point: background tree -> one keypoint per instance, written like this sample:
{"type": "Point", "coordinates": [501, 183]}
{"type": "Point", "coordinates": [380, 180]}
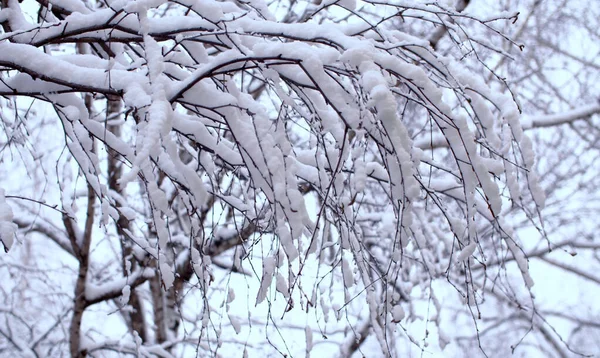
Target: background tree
{"type": "Point", "coordinates": [202, 178]}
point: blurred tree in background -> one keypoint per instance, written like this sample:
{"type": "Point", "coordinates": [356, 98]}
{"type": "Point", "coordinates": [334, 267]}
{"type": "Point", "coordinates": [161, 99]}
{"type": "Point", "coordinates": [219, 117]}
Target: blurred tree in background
{"type": "Point", "coordinates": [335, 178]}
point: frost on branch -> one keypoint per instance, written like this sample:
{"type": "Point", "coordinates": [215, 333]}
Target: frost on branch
{"type": "Point", "coordinates": [295, 142]}
{"type": "Point", "coordinates": [7, 227]}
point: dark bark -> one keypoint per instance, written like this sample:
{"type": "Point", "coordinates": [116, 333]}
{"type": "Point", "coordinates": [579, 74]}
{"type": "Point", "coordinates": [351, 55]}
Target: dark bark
{"type": "Point", "coordinates": [82, 250]}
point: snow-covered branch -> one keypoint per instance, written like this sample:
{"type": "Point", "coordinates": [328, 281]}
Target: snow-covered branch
{"type": "Point", "coordinates": [291, 146]}
{"type": "Point", "coordinates": [114, 288]}
{"type": "Point", "coordinates": [551, 120]}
